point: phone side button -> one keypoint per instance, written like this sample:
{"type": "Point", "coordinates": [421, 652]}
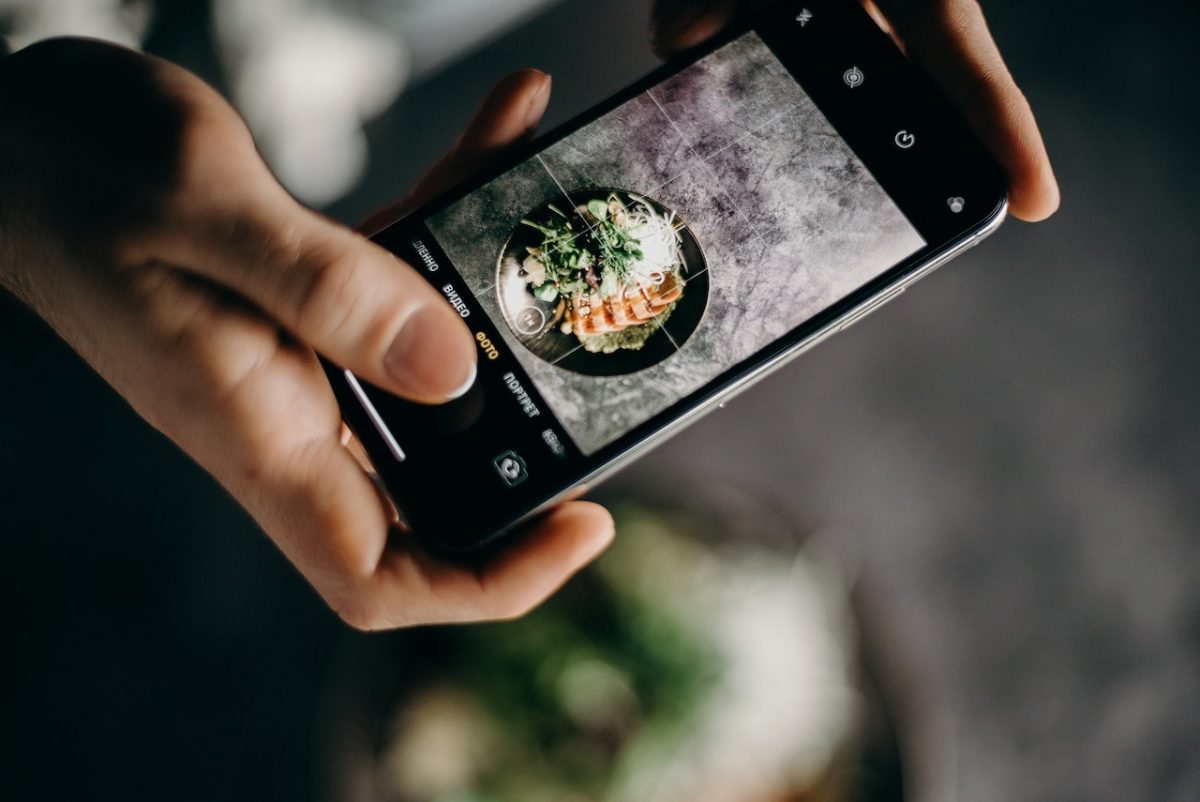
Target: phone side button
{"type": "Point", "coordinates": [376, 419]}
{"type": "Point", "coordinates": [871, 307]}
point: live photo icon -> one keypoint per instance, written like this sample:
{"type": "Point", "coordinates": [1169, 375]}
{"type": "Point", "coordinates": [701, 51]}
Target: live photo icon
{"type": "Point", "coordinates": [804, 17]}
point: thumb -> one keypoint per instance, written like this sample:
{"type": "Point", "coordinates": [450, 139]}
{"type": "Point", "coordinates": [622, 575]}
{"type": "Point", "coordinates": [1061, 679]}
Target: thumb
{"type": "Point", "coordinates": [349, 299]}
{"type": "Point", "coordinates": [508, 116]}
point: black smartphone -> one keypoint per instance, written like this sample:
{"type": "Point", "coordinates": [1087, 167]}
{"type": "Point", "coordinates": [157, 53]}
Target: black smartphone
{"type": "Point", "coordinates": [643, 263]}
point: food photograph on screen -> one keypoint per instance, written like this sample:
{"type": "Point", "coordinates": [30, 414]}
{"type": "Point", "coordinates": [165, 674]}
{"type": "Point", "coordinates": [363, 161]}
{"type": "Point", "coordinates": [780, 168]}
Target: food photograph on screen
{"type": "Point", "coordinates": [652, 250]}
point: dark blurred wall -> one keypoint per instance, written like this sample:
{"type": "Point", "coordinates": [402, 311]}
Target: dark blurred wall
{"type": "Point", "coordinates": [1015, 443]}
{"type": "Point", "coordinates": [1013, 447]}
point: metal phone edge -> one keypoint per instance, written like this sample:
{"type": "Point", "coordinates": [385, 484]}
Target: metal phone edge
{"type": "Point", "coordinates": [852, 315]}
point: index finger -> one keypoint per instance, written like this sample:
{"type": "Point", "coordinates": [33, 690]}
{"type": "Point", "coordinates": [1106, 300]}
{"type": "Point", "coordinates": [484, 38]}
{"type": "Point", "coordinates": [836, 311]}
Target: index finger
{"type": "Point", "coordinates": [951, 40]}
{"type": "Point", "coordinates": [678, 25]}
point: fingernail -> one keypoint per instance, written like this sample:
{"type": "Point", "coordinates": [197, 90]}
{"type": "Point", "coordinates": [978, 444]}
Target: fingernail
{"type": "Point", "coordinates": [672, 18]}
{"type": "Point", "coordinates": [432, 359]}
{"type": "Point", "coordinates": [538, 103]}
{"type": "Point", "coordinates": [467, 385]}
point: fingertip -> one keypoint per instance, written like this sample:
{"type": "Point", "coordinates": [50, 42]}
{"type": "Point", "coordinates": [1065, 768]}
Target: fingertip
{"type": "Point", "coordinates": [525, 80]}
{"type": "Point", "coordinates": [585, 527]}
{"type": "Point", "coordinates": [539, 101]}
{"type": "Point", "coordinates": [509, 110]}
{"type": "Point", "coordinates": [1033, 189]}
{"type": "Point", "coordinates": [467, 384]}
{"type": "Point", "coordinates": [524, 83]}
{"type": "Point", "coordinates": [679, 26]}
{"type": "Point", "coordinates": [594, 518]}
{"type": "Point", "coordinates": [1036, 199]}
{"type": "Point", "coordinates": [432, 357]}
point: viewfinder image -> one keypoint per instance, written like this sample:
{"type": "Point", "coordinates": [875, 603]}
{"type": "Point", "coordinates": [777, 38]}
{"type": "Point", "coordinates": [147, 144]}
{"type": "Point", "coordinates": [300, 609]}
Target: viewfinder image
{"type": "Point", "coordinates": [592, 289]}
{"type": "Point", "coordinates": [657, 247]}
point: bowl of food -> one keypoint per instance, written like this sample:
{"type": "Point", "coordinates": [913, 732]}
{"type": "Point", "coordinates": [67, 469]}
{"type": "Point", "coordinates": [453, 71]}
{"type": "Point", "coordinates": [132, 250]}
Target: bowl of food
{"type": "Point", "coordinates": [610, 283]}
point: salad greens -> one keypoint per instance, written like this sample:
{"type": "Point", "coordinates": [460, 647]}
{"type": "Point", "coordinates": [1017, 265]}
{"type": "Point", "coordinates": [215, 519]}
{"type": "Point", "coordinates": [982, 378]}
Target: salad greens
{"type": "Point", "coordinates": [600, 259]}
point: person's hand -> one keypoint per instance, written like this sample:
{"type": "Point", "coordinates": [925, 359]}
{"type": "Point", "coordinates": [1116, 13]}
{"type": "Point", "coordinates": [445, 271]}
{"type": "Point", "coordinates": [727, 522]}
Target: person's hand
{"type": "Point", "coordinates": [138, 220]}
{"type": "Point", "coordinates": [950, 39]}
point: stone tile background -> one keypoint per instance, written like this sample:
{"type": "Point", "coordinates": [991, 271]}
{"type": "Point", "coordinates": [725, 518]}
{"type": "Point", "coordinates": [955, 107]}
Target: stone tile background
{"type": "Point", "coordinates": [789, 219]}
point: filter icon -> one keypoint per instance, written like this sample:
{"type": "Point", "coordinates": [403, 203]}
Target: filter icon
{"type": "Point", "coordinates": [854, 77]}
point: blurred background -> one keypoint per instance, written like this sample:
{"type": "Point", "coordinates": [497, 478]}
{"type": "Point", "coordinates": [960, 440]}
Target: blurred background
{"type": "Point", "coordinates": [984, 495]}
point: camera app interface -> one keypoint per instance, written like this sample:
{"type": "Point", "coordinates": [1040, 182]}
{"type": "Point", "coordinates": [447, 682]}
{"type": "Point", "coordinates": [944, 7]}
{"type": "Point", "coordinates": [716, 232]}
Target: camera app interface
{"type": "Point", "coordinates": [634, 261]}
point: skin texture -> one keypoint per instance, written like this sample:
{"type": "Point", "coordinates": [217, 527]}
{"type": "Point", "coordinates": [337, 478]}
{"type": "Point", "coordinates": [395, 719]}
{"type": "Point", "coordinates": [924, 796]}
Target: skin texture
{"type": "Point", "coordinates": [138, 220]}
{"type": "Point", "coordinates": [951, 41]}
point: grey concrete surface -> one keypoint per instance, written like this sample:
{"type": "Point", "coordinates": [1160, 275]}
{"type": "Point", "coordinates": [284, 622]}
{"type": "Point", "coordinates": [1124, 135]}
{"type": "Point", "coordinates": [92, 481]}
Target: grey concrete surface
{"type": "Point", "coordinates": [1013, 449]}
{"type": "Point", "coordinates": [788, 219]}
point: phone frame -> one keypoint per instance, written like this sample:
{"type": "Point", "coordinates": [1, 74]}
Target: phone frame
{"type": "Point", "coordinates": [964, 233]}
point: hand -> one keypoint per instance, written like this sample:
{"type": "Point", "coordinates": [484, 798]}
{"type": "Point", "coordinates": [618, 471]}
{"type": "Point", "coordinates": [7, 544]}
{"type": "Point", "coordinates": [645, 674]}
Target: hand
{"type": "Point", "coordinates": [950, 39]}
{"type": "Point", "coordinates": [138, 220]}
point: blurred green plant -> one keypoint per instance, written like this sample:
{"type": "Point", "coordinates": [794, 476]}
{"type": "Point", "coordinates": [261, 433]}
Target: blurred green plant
{"type": "Point", "coordinates": [606, 674]}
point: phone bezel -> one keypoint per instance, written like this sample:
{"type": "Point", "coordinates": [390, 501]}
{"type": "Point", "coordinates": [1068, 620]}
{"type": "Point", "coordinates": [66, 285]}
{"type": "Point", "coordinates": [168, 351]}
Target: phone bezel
{"type": "Point", "coordinates": [967, 231]}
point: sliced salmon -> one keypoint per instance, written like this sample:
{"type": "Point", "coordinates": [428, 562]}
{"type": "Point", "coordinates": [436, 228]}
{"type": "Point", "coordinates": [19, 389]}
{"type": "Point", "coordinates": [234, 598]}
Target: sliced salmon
{"type": "Point", "coordinates": [592, 315]}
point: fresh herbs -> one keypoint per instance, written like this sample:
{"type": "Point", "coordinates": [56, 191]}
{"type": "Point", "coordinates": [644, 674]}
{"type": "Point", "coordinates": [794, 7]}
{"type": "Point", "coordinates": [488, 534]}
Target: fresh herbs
{"type": "Point", "coordinates": [599, 259]}
{"type": "Point", "coordinates": [609, 273]}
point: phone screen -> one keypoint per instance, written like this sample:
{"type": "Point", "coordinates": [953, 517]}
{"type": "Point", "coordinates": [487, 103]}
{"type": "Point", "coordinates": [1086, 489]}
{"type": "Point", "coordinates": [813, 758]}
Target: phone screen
{"type": "Point", "coordinates": [624, 270]}
{"type": "Point", "coordinates": [650, 251]}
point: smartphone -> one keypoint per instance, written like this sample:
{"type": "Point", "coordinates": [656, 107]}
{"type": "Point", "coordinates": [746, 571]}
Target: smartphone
{"type": "Point", "coordinates": [640, 265]}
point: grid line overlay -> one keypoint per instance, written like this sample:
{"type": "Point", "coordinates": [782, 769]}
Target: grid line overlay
{"type": "Point", "coordinates": [788, 217]}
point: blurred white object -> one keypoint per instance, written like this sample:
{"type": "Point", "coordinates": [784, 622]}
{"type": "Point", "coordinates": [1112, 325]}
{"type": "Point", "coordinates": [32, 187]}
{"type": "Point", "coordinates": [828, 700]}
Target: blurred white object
{"type": "Point", "coordinates": [438, 31]}
{"type": "Point", "coordinates": [786, 700]}
{"type": "Point", "coordinates": [120, 21]}
{"type": "Point", "coordinates": [306, 76]}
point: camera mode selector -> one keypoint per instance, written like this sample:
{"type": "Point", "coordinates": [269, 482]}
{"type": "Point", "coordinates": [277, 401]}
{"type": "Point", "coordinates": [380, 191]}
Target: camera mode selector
{"type": "Point", "coordinates": [511, 468]}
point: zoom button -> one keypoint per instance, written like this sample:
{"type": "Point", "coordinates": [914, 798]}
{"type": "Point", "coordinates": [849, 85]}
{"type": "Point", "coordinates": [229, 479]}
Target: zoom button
{"type": "Point", "coordinates": [511, 468]}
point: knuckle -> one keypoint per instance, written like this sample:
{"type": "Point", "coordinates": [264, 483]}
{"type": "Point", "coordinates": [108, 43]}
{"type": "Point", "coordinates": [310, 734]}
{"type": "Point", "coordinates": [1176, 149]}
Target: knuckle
{"type": "Point", "coordinates": [354, 615]}
{"type": "Point", "coordinates": [332, 294]}
{"type": "Point", "coordinates": [360, 614]}
{"type": "Point", "coordinates": [224, 375]}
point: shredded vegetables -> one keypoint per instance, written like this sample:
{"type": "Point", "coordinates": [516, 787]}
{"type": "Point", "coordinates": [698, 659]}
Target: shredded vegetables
{"type": "Point", "coordinates": [622, 273]}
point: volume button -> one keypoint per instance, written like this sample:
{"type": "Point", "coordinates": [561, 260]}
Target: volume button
{"type": "Point", "coordinates": [871, 307]}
